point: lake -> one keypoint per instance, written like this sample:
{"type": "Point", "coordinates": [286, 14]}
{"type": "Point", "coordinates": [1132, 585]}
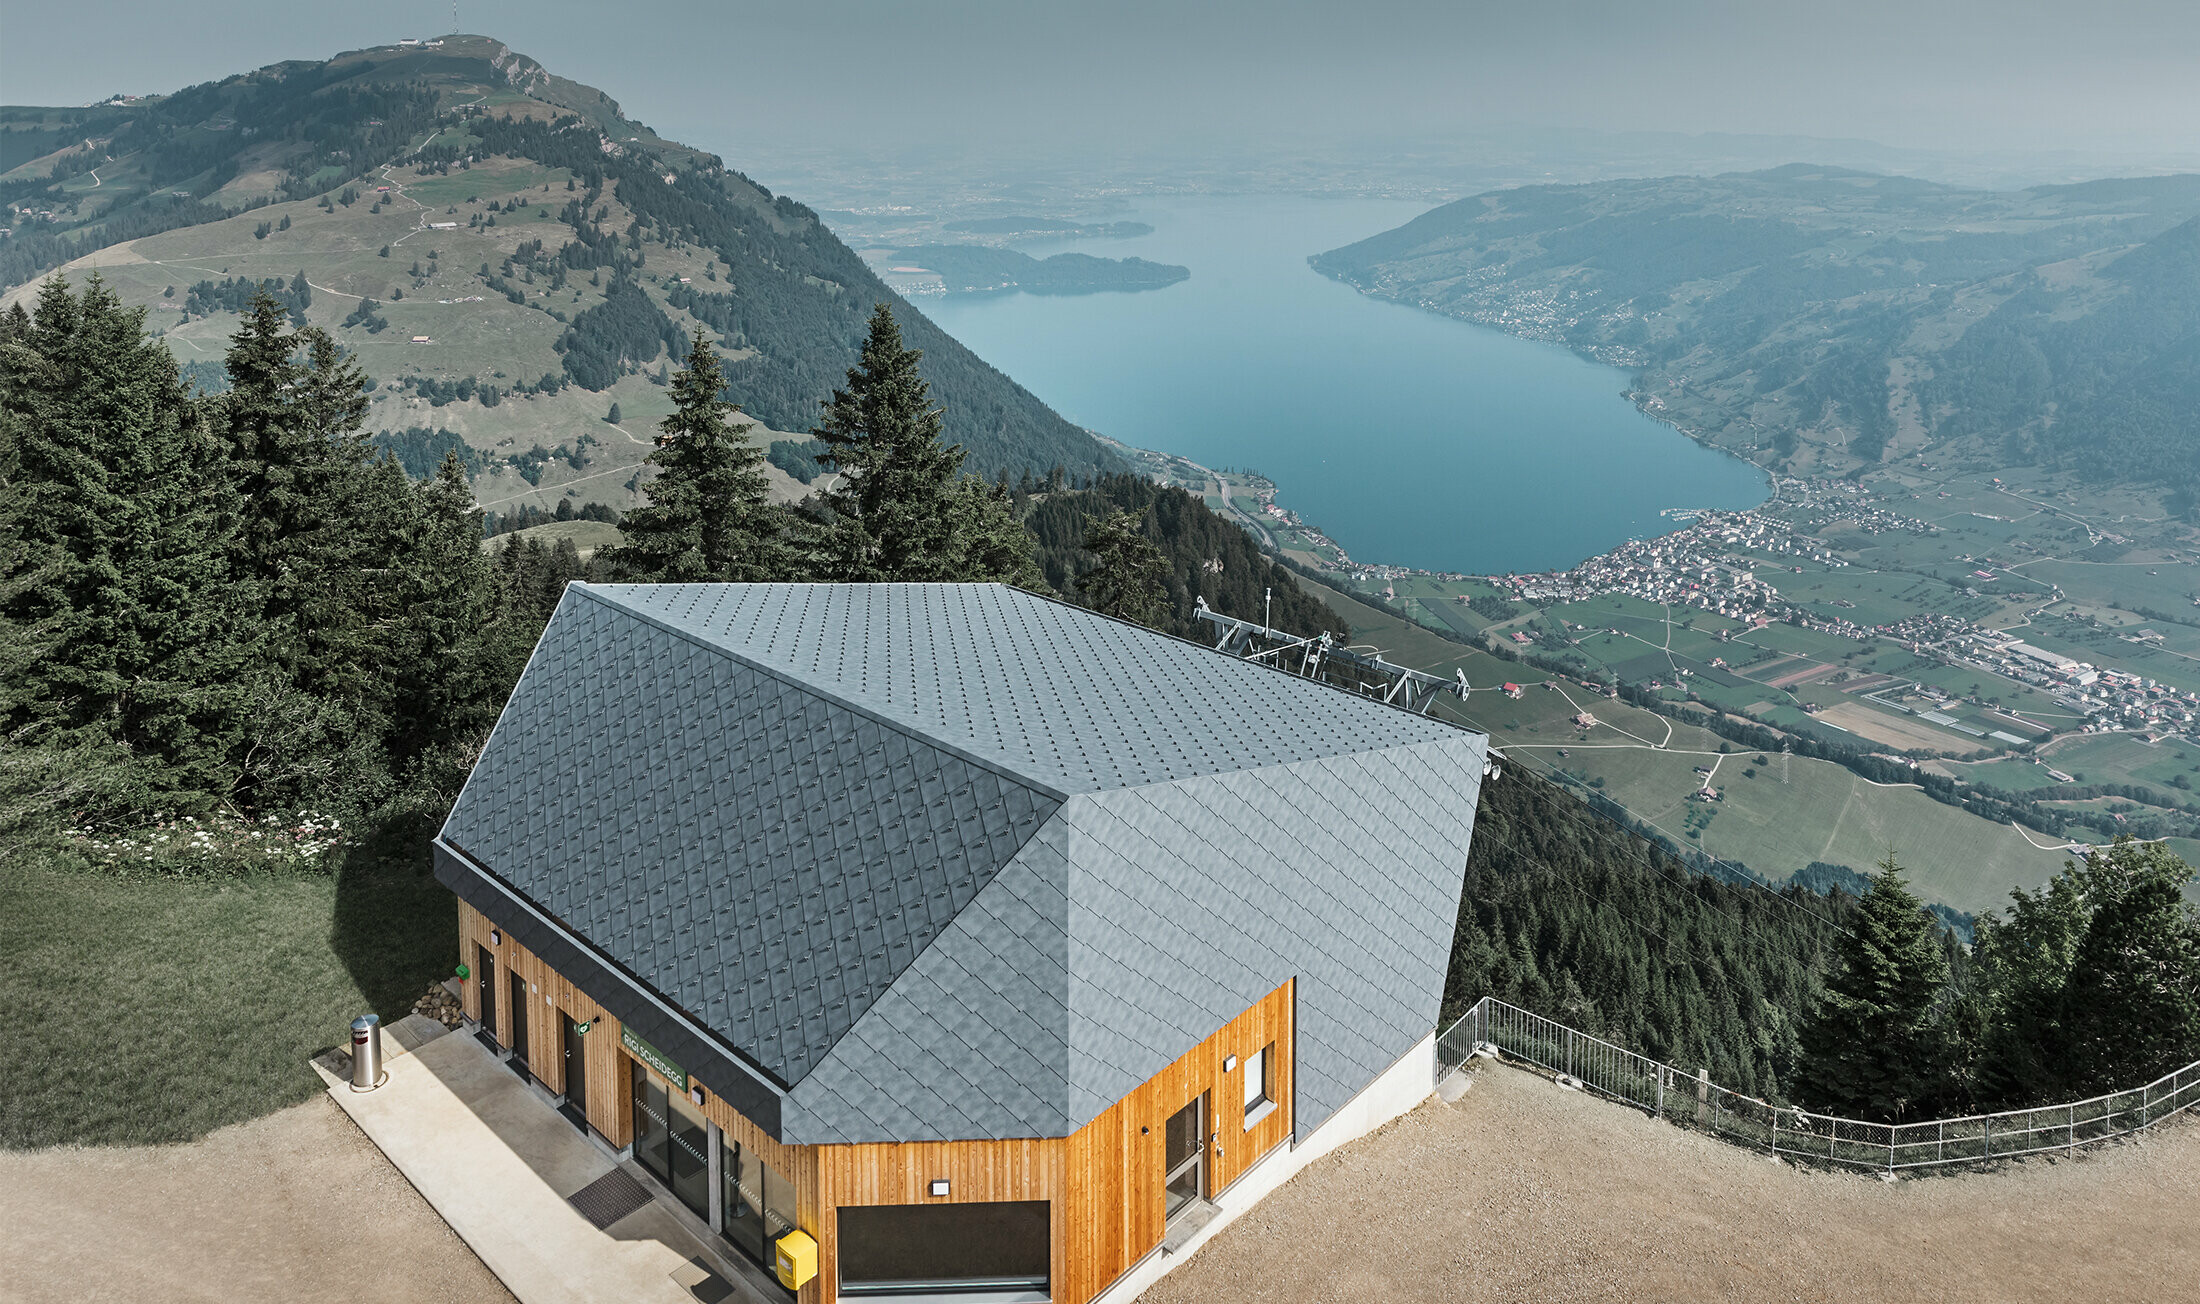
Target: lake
{"type": "Point", "coordinates": [1409, 438]}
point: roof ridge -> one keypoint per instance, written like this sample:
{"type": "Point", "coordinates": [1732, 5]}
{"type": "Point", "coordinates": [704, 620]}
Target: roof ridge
{"type": "Point", "coordinates": [996, 765]}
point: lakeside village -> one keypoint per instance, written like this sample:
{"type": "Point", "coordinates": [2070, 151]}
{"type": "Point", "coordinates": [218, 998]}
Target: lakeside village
{"type": "Point", "coordinates": [1717, 563]}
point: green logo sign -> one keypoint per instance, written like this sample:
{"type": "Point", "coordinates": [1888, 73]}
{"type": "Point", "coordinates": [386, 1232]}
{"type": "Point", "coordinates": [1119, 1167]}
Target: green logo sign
{"type": "Point", "coordinates": [653, 1057]}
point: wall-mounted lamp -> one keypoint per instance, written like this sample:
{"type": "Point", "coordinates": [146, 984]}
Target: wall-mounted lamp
{"type": "Point", "coordinates": [1229, 1064]}
{"type": "Point", "coordinates": [695, 1094]}
{"type": "Point", "coordinates": [496, 938]}
{"type": "Point", "coordinates": [939, 1186]}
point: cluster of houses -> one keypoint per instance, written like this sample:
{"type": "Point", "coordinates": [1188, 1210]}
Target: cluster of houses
{"type": "Point", "coordinates": [1691, 567]}
{"type": "Point", "coordinates": [1820, 501]}
{"type": "Point", "coordinates": [2109, 699]}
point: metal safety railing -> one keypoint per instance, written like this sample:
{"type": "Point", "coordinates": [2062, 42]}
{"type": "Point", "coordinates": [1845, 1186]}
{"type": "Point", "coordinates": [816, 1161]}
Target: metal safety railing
{"type": "Point", "coordinates": [1694, 1100]}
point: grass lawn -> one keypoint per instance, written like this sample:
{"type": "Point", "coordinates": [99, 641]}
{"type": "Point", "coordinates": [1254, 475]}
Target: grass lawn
{"type": "Point", "coordinates": [147, 1010]}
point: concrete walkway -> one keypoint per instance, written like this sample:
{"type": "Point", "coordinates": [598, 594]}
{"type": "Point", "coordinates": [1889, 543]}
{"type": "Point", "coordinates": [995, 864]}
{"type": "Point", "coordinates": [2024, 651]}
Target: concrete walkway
{"type": "Point", "coordinates": [496, 1161]}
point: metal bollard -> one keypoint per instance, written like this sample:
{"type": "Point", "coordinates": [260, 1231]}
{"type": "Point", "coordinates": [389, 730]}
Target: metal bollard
{"type": "Point", "coordinates": [366, 1052]}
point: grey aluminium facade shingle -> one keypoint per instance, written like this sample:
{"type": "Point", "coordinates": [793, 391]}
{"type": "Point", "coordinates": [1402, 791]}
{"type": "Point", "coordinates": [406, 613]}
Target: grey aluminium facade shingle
{"type": "Point", "coordinates": [1140, 920]}
{"type": "Point", "coordinates": [953, 862]}
{"type": "Point", "coordinates": [765, 860]}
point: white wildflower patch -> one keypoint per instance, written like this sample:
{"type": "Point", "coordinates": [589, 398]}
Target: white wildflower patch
{"type": "Point", "coordinates": [190, 844]}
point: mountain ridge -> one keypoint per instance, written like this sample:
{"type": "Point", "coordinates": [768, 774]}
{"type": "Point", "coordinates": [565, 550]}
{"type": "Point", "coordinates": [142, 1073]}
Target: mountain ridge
{"type": "Point", "coordinates": [508, 255]}
{"type": "Point", "coordinates": [1857, 318]}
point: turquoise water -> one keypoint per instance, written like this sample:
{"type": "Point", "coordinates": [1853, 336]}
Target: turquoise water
{"type": "Point", "coordinates": [1411, 439]}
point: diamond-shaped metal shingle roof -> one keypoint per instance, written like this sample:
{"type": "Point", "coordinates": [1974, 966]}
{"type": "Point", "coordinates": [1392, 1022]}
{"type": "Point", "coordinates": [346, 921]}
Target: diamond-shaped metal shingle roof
{"type": "Point", "coordinates": [1062, 696]}
{"type": "Point", "coordinates": [895, 858]}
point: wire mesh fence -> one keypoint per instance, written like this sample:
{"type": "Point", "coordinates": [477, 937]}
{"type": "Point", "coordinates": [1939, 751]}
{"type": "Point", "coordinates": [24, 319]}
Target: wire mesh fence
{"type": "Point", "coordinates": [1693, 1100]}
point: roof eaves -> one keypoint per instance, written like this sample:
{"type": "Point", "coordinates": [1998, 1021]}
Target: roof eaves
{"type": "Point", "coordinates": [742, 1059]}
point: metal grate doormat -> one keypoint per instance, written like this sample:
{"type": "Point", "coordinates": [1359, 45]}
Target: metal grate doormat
{"type": "Point", "coordinates": [609, 1198]}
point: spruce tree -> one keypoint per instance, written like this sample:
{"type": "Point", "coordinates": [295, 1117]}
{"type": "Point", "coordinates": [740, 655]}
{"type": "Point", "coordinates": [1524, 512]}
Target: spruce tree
{"type": "Point", "coordinates": [1131, 579]}
{"type": "Point", "coordinates": [321, 527]}
{"type": "Point", "coordinates": [899, 510]}
{"type": "Point", "coordinates": [293, 424]}
{"type": "Point", "coordinates": [444, 697]}
{"type": "Point", "coordinates": [708, 516]}
{"type": "Point", "coordinates": [115, 549]}
{"type": "Point", "coordinates": [2131, 1008]}
{"type": "Point", "coordinates": [1870, 1048]}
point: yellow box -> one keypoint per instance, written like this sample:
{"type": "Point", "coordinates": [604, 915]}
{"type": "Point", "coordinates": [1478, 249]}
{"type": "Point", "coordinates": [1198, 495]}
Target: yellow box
{"type": "Point", "coordinates": [797, 1259]}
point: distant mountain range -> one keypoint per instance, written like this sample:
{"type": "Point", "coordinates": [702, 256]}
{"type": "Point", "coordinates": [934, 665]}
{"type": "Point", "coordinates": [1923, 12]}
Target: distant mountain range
{"type": "Point", "coordinates": [510, 257]}
{"type": "Point", "coordinates": [1821, 319]}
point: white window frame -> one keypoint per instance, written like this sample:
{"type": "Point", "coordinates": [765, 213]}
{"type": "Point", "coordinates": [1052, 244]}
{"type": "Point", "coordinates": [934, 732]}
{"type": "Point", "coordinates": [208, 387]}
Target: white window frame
{"type": "Point", "coordinates": [1258, 1069]}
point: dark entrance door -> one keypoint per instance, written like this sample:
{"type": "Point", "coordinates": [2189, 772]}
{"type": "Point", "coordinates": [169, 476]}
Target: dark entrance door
{"type": "Point", "coordinates": [575, 1047]}
{"type": "Point", "coordinates": [485, 973]}
{"type": "Point", "coordinates": [1185, 1156]}
{"type": "Point", "coordinates": [520, 1020]}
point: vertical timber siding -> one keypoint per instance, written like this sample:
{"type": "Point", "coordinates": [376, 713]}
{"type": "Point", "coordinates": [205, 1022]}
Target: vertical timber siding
{"type": "Point", "coordinates": [1113, 1167]}
{"type": "Point", "coordinates": [1103, 1181]}
{"type": "Point", "coordinates": [610, 1088]}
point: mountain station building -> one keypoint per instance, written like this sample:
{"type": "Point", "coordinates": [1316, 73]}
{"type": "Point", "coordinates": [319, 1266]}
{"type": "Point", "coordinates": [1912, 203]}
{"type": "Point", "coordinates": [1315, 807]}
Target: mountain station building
{"type": "Point", "coordinates": [946, 942]}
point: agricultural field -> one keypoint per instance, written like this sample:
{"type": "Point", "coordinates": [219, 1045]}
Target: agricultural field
{"type": "Point", "coordinates": [2168, 770]}
{"type": "Point", "coordinates": [1775, 818]}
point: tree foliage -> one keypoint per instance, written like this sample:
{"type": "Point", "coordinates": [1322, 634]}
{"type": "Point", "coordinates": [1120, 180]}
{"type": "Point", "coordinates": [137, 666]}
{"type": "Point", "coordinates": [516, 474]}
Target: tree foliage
{"type": "Point", "coordinates": [1872, 1047]}
{"type": "Point", "coordinates": [2092, 982]}
{"type": "Point", "coordinates": [1129, 579]}
{"type": "Point", "coordinates": [1206, 556]}
{"type": "Point", "coordinates": [902, 510]}
{"type": "Point", "coordinates": [122, 564]}
{"type": "Point", "coordinates": [707, 518]}
{"type": "Point", "coordinates": [1567, 914]}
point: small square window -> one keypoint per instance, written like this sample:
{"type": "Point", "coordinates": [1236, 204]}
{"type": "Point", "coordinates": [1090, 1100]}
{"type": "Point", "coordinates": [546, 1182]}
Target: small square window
{"type": "Point", "coordinates": [1259, 1092]}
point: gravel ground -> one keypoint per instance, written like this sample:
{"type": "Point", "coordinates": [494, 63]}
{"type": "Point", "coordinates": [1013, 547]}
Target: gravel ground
{"type": "Point", "coordinates": [1523, 1191]}
{"type": "Point", "coordinates": [296, 1206]}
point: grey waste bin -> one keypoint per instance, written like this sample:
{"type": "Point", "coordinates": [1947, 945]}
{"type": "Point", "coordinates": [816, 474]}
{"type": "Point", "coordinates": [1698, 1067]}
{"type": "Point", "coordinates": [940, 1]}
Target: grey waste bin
{"type": "Point", "coordinates": [366, 1052]}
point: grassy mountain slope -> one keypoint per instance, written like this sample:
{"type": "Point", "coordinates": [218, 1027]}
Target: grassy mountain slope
{"type": "Point", "coordinates": [543, 248]}
{"type": "Point", "coordinates": [1827, 319]}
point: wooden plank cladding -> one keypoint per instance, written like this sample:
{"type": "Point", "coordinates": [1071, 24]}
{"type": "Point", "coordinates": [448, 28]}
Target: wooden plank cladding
{"type": "Point", "coordinates": [610, 1087]}
{"type": "Point", "coordinates": [1112, 1192]}
{"type": "Point", "coordinates": [1104, 1183]}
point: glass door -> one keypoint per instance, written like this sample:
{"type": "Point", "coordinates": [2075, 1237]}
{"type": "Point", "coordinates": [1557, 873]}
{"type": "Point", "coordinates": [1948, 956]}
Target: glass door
{"type": "Point", "coordinates": [672, 1140]}
{"type": "Point", "coordinates": [652, 1124]}
{"type": "Point", "coordinates": [1184, 1147]}
{"type": "Point", "coordinates": [690, 1176]}
{"type": "Point", "coordinates": [758, 1201]}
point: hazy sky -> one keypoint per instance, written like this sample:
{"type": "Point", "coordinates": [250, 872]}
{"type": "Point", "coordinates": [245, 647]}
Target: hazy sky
{"type": "Point", "coordinates": [2117, 75]}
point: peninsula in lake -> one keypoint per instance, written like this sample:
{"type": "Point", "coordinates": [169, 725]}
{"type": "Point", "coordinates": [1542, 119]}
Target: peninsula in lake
{"type": "Point", "coordinates": [1032, 229]}
{"type": "Point", "coordinates": [981, 269]}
